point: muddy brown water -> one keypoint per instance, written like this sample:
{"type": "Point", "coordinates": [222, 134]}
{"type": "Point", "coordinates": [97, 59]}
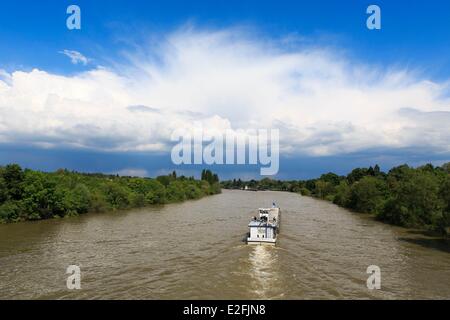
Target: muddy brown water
{"type": "Point", "coordinates": [194, 250]}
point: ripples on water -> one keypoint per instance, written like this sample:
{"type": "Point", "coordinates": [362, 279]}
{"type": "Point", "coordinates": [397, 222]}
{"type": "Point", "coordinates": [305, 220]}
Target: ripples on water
{"type": "Point", "coordinates": [194, 250]}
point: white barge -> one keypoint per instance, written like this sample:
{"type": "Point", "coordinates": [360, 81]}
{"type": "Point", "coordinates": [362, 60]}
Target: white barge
{"type": "Point", "coordinates": [264, 229]}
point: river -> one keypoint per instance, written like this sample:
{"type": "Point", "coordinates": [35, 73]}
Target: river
{"type": "Point", "coordinates": [194, 250]}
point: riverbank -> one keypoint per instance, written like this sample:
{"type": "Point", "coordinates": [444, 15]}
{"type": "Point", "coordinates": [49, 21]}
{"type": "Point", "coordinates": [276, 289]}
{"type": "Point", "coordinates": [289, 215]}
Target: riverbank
{"type": "Point", "coordinates": [417, 198]}
{"type": "Point", "coordinates": [35, 195]}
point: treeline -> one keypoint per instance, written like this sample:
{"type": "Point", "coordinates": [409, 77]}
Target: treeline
{"type": "Point", "coordinates": [212, 178]}
{"type": "Point", "coordinates": [34, 195]}
{"type": "Point", "coordinates": [405, 196]}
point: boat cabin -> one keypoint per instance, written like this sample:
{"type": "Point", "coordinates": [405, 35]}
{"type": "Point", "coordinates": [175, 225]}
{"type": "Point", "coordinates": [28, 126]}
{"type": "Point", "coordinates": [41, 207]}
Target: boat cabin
{"type": "Point", "coordinates": [265, 227]}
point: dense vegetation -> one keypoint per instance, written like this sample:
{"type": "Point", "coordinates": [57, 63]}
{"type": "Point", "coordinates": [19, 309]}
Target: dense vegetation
{"type": "Point", "coordinates": [33, 195]}
{"type": "Point", "coordinates": [405, 196]}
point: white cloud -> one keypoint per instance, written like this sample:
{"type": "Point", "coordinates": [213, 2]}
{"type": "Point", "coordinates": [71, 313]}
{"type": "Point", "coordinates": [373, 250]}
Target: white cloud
{"type": "Point", "coordinates": [75, 56]}
{"type": "Point", "coordinates": [132, 172]}
{"type": "Point", "coordinates": [322, 102]}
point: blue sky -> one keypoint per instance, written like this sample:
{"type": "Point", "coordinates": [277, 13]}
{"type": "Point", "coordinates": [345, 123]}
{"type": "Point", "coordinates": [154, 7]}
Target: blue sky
{"type": "Point", "coordinates": [414, 32]}
{"type": "Point", "coordinates": [408, 57]}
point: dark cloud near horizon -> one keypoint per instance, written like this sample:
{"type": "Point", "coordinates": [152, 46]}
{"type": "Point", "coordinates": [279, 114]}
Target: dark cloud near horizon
{"type": "Point", "coordinates": [298, 167]}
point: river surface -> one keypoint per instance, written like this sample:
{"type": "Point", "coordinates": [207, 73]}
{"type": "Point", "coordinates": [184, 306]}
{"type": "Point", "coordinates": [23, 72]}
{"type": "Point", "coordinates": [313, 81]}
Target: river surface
{"type": "Point", "coordinates": [194, 250]}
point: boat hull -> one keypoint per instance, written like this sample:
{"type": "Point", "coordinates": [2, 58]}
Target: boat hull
{"type": "Point", "coordinates": [261, 241]}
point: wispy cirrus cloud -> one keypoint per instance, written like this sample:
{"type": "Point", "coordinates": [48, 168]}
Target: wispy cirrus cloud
{"type": "Point", "coordinates": [75, 57]}
{"type": "Point", "coordinates": [323, 102]}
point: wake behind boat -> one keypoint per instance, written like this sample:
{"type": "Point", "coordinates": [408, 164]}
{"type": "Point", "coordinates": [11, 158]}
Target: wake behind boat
{"type": "Point", "coordinates": [264, 229]}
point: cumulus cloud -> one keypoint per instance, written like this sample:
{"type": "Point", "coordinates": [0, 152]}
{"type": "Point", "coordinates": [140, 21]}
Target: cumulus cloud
{"type": "Point", "coordinates": [322, 102]}
{"type": "Point", "coordinates": [141, 108]}
{"type": "Point", "coordinates": [75, 57]}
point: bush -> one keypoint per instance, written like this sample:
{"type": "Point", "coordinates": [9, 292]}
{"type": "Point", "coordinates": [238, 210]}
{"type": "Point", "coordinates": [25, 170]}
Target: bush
{"type": "Point", "coordinates": [192, 191]}
{"type": "Point", "coordinates": [98, 202]}
{"type": "Point", "coordinates": [9, 212]}
{"type": "Point", "coordinates": [156, 193]}
{"type": "Point", "coordinates": [137, 200]}
{"type": "Point", "coordinates": [80, 198]}
{"type": "Point", "coordinates": [117, 196]}
{"type": "Point", "coordinates": [215, 188]}
{"type": "Point", "coordinates": [175, 192]}
{"type": "Point", "coordinates": [305, 192]}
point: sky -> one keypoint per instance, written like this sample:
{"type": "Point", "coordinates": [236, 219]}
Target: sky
{"type": "Point", "coordinates": [107, 97]}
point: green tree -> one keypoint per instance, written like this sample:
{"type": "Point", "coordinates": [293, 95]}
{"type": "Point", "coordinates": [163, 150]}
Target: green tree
{"type": "Point", "coordinates": [175, 192]}
{"type": "Point", "coordinates": [215, 188]}
{"type": "Point", "coordinates": [443, 223]}
{"type": "Point", "coordinates": [343, 193]}
{"type": "Point", "coordinates": [376, 170]}
{"type": "Point", "coordinates": [3, 190]}
{"type": "Point", "coordinates": [446, 167]}
{"type": "Point", "coordinates": [165, 180]}
{"type": "Point", "coordinates": [356, 175]}
{"type": "Point", "coordinates": [9, 212]}
{"type": "Point", "coordinates": [305, 192]}
{"type": "Point", "coordinates": [156, 193]}
{"type": "Point", "coordinates": [192, 191]}
{"type": "Point", "coordinates": [98, 202]}
{"type": "Point", "coordinates": [323, 189]}
{"type": "Point", "coordinates": [367, 195]}
{"type": "Point", "coordinates": [331, 177]}
{"type": "Point", "coordinates": [207, 175]}
{"type": "Point", "coordinates": [80, 198]}
{"type": "Point", "coordinates": [414, 201]}
{"type": "Point", "coordinates": [13, 177]}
